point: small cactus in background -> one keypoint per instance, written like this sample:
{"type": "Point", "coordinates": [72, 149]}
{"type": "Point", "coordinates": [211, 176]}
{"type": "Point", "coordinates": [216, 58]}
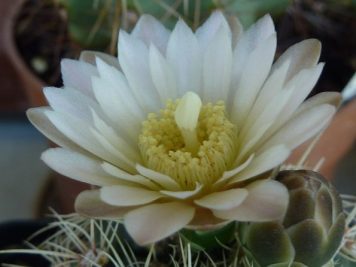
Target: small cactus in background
{"type": "Point", "coordinates": [311, 231]}
{"type": "Point", "coordinates": [93, 24]}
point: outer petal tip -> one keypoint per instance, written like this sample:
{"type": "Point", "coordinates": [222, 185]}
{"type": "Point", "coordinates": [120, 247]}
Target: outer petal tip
{"type": "Point", "coordinates": [88, 203]}
{"type": "Point", "coordinates": [154, 222]}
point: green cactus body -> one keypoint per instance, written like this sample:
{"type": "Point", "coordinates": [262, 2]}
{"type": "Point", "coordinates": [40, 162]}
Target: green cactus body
{"type": "Point", "coordinates": [311, 231]}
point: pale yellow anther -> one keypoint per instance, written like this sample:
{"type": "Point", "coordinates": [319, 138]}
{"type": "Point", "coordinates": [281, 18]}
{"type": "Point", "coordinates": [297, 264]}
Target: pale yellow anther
{"type": "Point", "coordinates": [186, 116]}
{"type": "Point", "coordinates": [168, 138]}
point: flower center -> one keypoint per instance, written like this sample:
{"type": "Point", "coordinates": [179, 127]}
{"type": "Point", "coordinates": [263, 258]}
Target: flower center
{"type": "Point", "coordinates": [190, 142]}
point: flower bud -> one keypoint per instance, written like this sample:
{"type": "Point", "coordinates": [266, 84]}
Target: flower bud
{"type": "Point", "coordinates": [311, 231]}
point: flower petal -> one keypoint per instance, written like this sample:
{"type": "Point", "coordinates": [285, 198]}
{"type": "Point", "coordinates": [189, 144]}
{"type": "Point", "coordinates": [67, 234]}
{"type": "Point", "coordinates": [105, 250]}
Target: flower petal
{"type": "Point", "coordinates": [91, 57]}
{"type": "Point", "coordinates": [267, 200]}
{"type": "Point", "coordinates": [120, 117]}
{"type": "Point", "coordinates": [122, 195]}
{"type": "Point", "coordinates": [224, 200]}
{"type": "Point", "coordinates": [183, 194]}
{"type": "Point", "coordinates": [154, 222]}
{"type": "Point", "coordinates": [236, 29]}
{"type": "Point", "coordinates": [302, 127]}
{"type": "Point", "coordinates": [266, 161]}
{"type": "Point", "coordinates": [331, 98]}
{"type": "Point", "coordinates": [133, 58]}
{"type": "Point", "coordinates": [184, 56]}
{"type": "Point", "coordinates": [162, 75]}
{"type": "Point", "coordinates": [208, 31]}
{"type": "Point", "coordinates": [119, 89]}
{"type": "Point", "coordinates": [88, 138]}
{"type": "Point", "coordinates": [77, 166]}
{"type": "Point", "coordinates": [301, 84]}
{"type": "Point", "coordinates": [77, 74]}
{"type": "Point", "coordinates": [228, 174]}
{"type": "Point", "coordinates": [88, 203]}
{"type": "Point", "coordinates": [304, 55]}
{"type": "Point", "coordinates": [124, 176]}
{"type": "Point", "coordinates": [272, 87]}
{"type": "Point", "coordinates": [217, 63]}
{"type": "Point", "coordinates": [256, 35]}
{"type": "Point", "coordinates": [130, 151]}
{"type": "Point", "coordinates": [150, 30]}
{"type": "Point", "coordinates": [253, 74]}
{"type": "Point", "coordinates": [39, 119]}
{"type": "Point", "coordinates": [70, 101]}
{"type": "Point", "coordinates": [164, 180]}
{"type": "Point", "coordinates": [255, 128]}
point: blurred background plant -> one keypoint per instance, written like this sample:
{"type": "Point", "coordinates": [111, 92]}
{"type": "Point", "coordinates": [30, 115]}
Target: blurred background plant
{"type": "Point", "coordinates": [75, 25]}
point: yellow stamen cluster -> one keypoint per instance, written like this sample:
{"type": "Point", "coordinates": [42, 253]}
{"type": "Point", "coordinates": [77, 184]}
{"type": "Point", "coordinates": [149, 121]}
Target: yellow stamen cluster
{"type": "Point", "coordinates": [164, 149]}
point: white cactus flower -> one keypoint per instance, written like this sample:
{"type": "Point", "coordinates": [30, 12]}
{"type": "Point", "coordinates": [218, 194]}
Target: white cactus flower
{"type": "Point", "coordinates": [184, 129]}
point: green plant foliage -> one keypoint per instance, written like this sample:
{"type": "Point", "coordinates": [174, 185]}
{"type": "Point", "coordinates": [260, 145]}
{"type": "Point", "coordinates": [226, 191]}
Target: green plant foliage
{"type": "Point", "coordinates": [207, 240]}
{"type": "Point", "coordinates": [249, 11]}
{"type": "Point", "coordinates": [90, 22]}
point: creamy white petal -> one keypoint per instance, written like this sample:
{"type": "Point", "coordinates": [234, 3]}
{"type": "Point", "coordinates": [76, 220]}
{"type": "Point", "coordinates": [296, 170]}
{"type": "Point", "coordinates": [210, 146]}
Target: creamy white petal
{"type": "Point", "coordinates": [150, 30]}
{"type": "Point", "coordinates": [331, 98]}
{"type": "Point", "coordinates": [88, 203]}
{"type": "Point", "coordinates": [91, 57]}
{"type": "Point", "coordinates": [236, 29]}
{"type": "Point", "coordinates": [224, 200]}
{"type": "Point", "coordinates": [208, 31]}
{"type": "Point", "coordinates": [253, 75]}
{"type": "Point", "coordinates": [154, 222]}
{"type": "Point", "coordinates": [267, 200]}
{"type": "Point", "coordinates": [83, 135]}
{"type": "Point", "coordinates": [118, 154]}
{"type": "Point", "coordinates": [217, 62]}
{"type": "Point", "coordinates": [272, 87]}
{"type": "Point", "coordinates": [131, 151]}
{"type": "Point", "coordinates": [254, 36]}
{"type": "Point", "coordinates": [302, 85]}
{"type": "Point", "coordinates": [133, 58]}
{"type": "Point", "coordinates": [228, 174]}
{"type": "Point", "coordinates": [120, 90]}
{"type": "Point", "coordinates": [256, 127]}
{"type": "Point", "coordinates": [39, 119]}
{"type": "Point", "coordinates": [77, 74]}
{"type": "Point", "coordinates": [120, 117]}
{"type": "Point", "coordinates": [267, 160]}
{"type": "Point", "coordinates": [124, 176]}
{"type": "Point", "coordinates": [183, 194]}
{"type": "Point", "coordinates": [164, 180]}
{"type": "Point", "coordinates": [162, 75]}
{"type": "Point", "coordinates": [121, 195]}
{"type": "Point", "coordinates": [71, 101]}
{"type": "Point", "coordinates": [302, 127]}
{"type": "Point", "coordinates": [184, 56]}
{"type": "Point", "coordinates": [77, 166]}
{"type": "Point", "coordinates": [303, 55]}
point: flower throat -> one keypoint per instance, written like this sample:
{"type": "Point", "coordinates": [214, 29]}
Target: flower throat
{"type": "Point", "coordinates": [188, 141]}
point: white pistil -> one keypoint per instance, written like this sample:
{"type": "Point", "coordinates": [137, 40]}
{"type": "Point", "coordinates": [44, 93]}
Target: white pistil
{"type": "Point", "coordinates": [186, 116]}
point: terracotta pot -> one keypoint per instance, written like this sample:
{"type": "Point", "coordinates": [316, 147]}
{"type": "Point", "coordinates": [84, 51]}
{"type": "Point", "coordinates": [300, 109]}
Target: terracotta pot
{"type": "Point", "coordinates": [25, 79]}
